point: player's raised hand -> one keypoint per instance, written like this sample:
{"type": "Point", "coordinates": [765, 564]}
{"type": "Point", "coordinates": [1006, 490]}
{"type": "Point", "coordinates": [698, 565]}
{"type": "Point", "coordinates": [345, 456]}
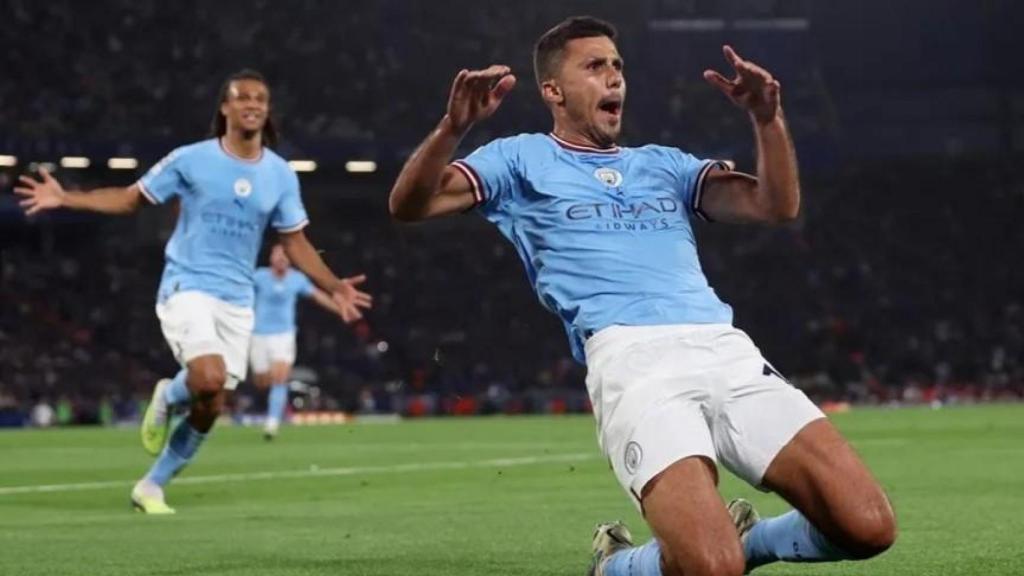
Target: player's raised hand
{"type": "Point", "coordinates": [476, 94]}
{"type": "Point", "coordinates": [752, 88]}
{"type": "Point", "coordinates": [350, 299]}
{"type": "Point", "coordinates": [39, 196]}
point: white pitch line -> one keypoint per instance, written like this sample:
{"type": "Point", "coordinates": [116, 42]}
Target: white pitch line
{"type": "Point", "coordinates": [310, 473]}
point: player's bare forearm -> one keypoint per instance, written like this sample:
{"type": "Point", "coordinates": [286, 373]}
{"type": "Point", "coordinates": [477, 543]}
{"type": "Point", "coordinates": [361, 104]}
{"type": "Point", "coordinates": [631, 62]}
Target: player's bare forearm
{"type": "Point", "coordinates": [778, 180]}
{"type": "Point", "coordinates": [305, 257]}
{"type": "Point", "coordinates": [420, 180]}
{"type": "Point", "coordinates": [324, 301]}
{"type": "Point", "coordinates": [105, 200]}
{"type": "Point", "coordinates": [46, 193]}
{"type": "Point", "coordinates": [427, 187]}
{"type": "Point", "coordinates": [774, 195]}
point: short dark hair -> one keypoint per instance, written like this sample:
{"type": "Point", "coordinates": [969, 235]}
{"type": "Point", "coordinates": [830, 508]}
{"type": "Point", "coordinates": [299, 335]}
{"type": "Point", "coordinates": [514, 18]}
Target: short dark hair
{"type": "Point", "coordinates": [547, 52]}
{"type": "Point", "coordinates": [219, 125]}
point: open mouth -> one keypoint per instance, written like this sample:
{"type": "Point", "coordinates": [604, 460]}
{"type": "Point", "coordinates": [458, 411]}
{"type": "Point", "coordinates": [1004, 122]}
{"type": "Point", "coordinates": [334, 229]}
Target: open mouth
{"type": "Point", "coordinates": [611, 106]}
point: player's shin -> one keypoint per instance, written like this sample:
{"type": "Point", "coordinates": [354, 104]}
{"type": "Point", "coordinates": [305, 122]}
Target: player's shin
{"type": "Point", "coordinates": [639, 561]}
{"type": "Point", "coordinates": [790, 538]}
{"type": "Point", "coordinates": [182, 446]}
{"type": "Point", "coordinates": [276, 404]}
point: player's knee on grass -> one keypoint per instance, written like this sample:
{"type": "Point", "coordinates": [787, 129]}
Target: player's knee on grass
{"type": "Point", "coordinates": [870, 529]}
{"type": "Point", "coordinates": [724, 560]}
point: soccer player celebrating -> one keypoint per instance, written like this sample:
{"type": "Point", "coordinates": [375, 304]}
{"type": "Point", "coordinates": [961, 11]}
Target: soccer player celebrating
{"type": "Point", "coordinates": [604, 232]}
{"type": "Point", "coordinates": [272, 351]}
{"type": "Point", "coordinates": [229, 188]}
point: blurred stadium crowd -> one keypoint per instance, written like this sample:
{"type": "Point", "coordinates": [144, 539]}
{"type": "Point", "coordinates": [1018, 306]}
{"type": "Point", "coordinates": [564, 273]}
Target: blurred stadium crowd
{"type": "Point", "coordinates": [901, 281]}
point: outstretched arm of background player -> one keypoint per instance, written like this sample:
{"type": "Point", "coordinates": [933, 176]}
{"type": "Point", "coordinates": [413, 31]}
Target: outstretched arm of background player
{"type": "Point", "coordinates": [343, 291]}
{"type": "Point", "coordinates": [323, 299]}
{"type": "Point", "coordinates": [774, 195]}
{"type": "Point", "coordinates": [49, 194]}
{"type": "Point", "coordinates": [428, 186]}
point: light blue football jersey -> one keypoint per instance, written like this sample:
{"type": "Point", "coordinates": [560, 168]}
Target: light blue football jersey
{"type": "Point", "coordinates": [226, 204]}
{"type": "Point", "coordinates": [276, 299]}
{"type": "Point", "coordinates": [605, 235]}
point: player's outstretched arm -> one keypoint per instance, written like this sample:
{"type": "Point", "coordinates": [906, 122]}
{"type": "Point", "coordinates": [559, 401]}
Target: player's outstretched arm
{"type": "Point", "coordinates": [774, 195]}
{"type": "Point", "coordinates": [427, 186]}
{"type": "Point", "coordinates": [323, 299]}
{"type": "Point", "coordinates": [48, 194]}
{"type": "Point", "coordinates": [344, 292]}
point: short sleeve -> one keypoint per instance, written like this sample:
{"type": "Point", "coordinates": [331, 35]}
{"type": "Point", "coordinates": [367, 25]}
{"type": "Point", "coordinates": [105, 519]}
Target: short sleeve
{"type": "Point", "coordinates": [692, 172]}
{"type": "Point", "coordinates": [304, 285]}
{"type": "Point", "coordinates": [165, 179]}
{"type": "Point", "coordinates": [491, 172]}
{"type": "Point", "coordinates": [289, 214]}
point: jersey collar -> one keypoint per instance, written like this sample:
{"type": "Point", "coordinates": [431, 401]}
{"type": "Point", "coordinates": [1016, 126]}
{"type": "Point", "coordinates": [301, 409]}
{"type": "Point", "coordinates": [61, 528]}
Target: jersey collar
{"type": "Point", "coordinates": [224, 148]}
{"type": "Point", "coordinates": [578, 148]}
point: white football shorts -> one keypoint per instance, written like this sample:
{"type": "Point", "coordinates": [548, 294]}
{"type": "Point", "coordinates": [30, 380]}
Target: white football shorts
{"type": "Point", "coordinates": [266, 349]}
{"type": "Point", "coordinates": [197, 324]}
{"type": "Point", "coordinates": [664, 393]}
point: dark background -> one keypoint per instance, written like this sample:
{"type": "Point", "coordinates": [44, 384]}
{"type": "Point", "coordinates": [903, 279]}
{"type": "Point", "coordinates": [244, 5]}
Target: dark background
{"type": "Point", "coordinates": [901, 280]}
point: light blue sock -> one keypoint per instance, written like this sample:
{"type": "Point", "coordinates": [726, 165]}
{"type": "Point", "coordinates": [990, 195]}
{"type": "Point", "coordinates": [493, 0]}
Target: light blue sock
{"type": "Point", "coordinates": [182, 446]}
{"type": "Point", "coordinates": [277, 402]}
{"type": "Point", "coordinates": [177, 392]}
{"type": "Point", "coordinates": [789, 538]}
{"type": "Point", "coordinates": [639, 561]}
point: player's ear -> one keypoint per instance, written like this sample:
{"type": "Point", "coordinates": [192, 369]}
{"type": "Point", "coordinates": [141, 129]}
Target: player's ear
{"type": "Point", "coordinates": [551, 92]}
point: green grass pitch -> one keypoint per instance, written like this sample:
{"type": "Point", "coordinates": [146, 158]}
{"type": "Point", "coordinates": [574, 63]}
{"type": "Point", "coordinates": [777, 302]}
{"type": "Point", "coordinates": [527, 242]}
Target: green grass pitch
{"type": "Point", "coordinates": [463, 496]}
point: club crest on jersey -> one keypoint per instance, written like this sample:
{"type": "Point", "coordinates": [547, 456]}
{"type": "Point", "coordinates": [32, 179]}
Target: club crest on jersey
{"type": "Point", "coordinates": [243, 188]}
{"type": "Point", "coordinates": [609, 176]}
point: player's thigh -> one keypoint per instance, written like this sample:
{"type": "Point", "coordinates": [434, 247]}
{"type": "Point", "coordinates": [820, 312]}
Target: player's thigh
{"type": "Point", "coordinates": [820, 474]}
{"type": "Point", "coordinates": [687, 515]}
{"type": "Point", "coordinates": [279, 371]}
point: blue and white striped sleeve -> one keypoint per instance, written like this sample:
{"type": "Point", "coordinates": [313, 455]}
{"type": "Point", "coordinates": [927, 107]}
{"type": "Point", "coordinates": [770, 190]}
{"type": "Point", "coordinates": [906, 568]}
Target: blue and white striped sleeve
{"type": "Point", "coordinates": [490, 171]}
{"type": "Point", "coordinates": [165, 179]}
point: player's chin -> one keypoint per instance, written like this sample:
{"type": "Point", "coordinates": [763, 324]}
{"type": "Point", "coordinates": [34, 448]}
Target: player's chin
{"type": "Point", "coordinates": [610, 130]}
{"type": "Point", "coordinates": [252, 124]}
{"type": "Point", "coordinates": [250, 131]}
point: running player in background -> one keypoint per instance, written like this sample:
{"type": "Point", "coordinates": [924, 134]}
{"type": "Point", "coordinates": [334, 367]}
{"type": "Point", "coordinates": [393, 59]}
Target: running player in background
{"type": "Point", "coordinates": [605, 235]}
{"type": "Point", "coordinates": [230, 188]}
{"type": "Point", "coordinates": [272, 352]}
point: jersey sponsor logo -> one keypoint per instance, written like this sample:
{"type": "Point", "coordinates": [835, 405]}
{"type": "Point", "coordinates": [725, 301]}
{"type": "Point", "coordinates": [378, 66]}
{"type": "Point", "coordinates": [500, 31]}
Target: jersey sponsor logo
{"type": "Point", "coordinates": [228, 225]}
{"type": "Point", "coordinates": [654, 214]}
{"type": "Point", "coordinates": [634, 457]}
{"type": "Point", "coordinates": [243, 188]}
{"type": "Point", "coordinates": [609, 176]}
{"type": "Point", "coordinates": [614, 211]}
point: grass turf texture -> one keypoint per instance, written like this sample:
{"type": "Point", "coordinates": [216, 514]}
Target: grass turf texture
{"type": "Point", "coordinates": [954, 475]}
